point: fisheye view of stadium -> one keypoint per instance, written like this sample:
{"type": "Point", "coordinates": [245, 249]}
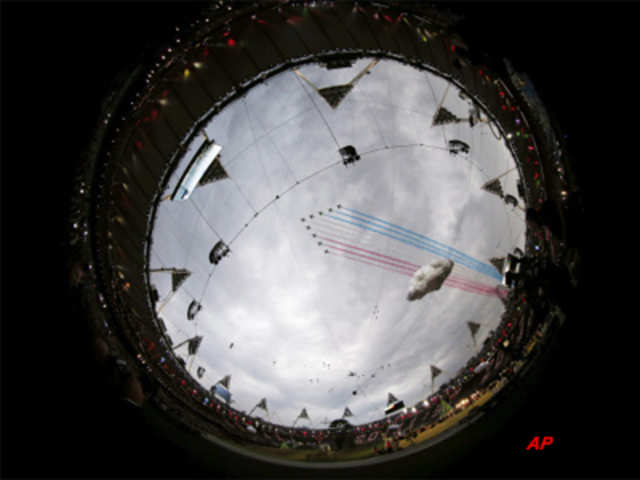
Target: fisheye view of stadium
{"type": "Point", "coordinates": [324, 236]}
{"type": "Point", "coordinates": [331, 248]}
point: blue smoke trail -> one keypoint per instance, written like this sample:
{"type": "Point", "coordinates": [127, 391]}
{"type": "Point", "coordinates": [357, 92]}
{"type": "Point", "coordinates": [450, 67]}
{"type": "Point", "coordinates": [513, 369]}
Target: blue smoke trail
{"type": "Point", "coordinates": [434, 247]}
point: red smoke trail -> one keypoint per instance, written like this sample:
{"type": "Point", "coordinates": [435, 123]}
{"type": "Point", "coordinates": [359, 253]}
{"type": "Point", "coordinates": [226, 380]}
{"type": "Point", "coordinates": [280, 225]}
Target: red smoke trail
{"type": "Point", "coordinates": [461, 286]}
{"type": "Point", "coordinates": [470, 283]}
{"type": "Point", "coordinates": [396, 260]}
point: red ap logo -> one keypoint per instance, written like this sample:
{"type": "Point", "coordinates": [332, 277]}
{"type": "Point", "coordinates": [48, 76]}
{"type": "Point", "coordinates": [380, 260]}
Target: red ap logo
{"type": "Point", "coordinates": [539, 445]}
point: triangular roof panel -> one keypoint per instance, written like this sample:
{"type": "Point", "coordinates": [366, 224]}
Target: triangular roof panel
{"type": "Point", "coordinates": [178, 277]}
{"type": "Point", "coordinates": [215, 172]}
{"type": "Point", "coordinates": [334, 95]}
{"type": "Point", "coordinates": [444, 116]}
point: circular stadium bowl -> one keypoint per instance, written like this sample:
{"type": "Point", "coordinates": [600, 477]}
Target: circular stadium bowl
{"type": "Point", "coordinates": [305, 226]}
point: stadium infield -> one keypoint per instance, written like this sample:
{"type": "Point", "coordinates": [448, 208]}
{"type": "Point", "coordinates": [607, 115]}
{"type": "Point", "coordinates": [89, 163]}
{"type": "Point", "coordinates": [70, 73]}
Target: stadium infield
{"type": "Point", "coordinates": [364, 452]}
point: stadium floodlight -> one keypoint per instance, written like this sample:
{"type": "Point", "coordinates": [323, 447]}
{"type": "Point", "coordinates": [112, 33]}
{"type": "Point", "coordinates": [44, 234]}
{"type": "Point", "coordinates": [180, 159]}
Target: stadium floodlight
{"type": "Point", "coordinates": [219, 391]}
{"type": "Point", "coordinates": [202, 160]}
{"type": "Point", "coordinates": [394, 407]}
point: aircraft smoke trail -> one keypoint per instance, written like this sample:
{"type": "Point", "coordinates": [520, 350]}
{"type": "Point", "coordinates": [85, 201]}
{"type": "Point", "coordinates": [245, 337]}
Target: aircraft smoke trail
{"type": "Point", "coordinates": [403, 264]}
{"type": "Point", "coordinates": [351, 238]}
{"type": "Point", "coordinates": [377, 220]}
{"type": "Point", "coordinates": [377, 265]}
{"type": "Point", "coordinates": [364, 250]}
{"type": "Point", "coordinates": [489, 268]}
{"type": "Point", "coordinates": [325, 222]}
{"type": "Point", "coordinates": [359, 236]}
{"type": "Point", "coordinates": [414, 239]}
{"type": "Point", "coordinates": [462, 286]}
{"type": "Point", "coordinates": [431, 249]}
{"type": "Point", "coordinates": [368, 257]}
{"type": "Point", "coordinates": [450, 282]}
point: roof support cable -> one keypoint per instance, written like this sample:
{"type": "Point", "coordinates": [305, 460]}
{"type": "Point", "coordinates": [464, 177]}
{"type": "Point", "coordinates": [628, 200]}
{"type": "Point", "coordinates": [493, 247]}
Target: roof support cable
{"type": "Point", "coordinates": [318, 110]}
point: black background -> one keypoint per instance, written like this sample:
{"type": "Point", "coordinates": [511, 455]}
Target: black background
{"type": "Point", "coordinates": [58, 60]}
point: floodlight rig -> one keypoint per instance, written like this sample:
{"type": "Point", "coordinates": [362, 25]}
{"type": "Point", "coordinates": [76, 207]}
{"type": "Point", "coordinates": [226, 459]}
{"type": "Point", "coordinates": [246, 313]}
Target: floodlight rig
{"type": "Point", "coordinates": [349, 155]}
{"type": "Point", "coordinates": [197, 168]}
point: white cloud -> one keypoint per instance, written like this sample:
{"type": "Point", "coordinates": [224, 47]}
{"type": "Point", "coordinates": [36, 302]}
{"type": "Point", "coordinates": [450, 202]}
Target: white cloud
{"type": "Point", "coordinates": [428, 278]}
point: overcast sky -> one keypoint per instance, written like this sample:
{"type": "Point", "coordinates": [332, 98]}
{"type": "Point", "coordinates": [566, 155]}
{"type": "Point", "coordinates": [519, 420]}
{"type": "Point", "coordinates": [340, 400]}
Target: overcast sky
{"type": "Point", "coordinates": [279, 297]}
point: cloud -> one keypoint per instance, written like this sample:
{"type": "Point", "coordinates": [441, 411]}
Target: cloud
{"type": "Point", "coordinates": [428, 279]}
